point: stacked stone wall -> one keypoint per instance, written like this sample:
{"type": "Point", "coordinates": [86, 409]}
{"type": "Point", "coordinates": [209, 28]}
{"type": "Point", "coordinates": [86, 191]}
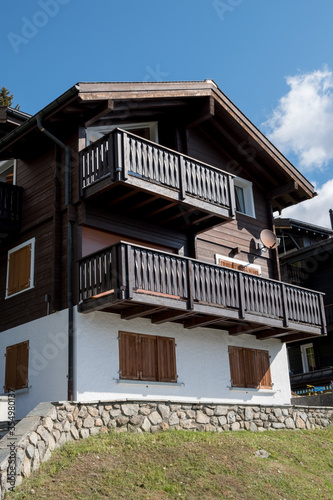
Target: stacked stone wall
{"type": "Point", "coordinates": [50, 425]}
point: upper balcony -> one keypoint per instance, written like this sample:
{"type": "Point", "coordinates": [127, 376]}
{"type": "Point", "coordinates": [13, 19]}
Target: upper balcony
{"type": "Point", "coordinates": [135, 281]}
{"type": "Point", "coordinates": [139, 178]}
{"type": "Point", "coordinates": [10, 209]}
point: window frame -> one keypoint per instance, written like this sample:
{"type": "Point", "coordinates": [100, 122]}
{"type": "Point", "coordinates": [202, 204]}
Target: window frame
{"type": "Point", "coordinates": [305, 359]}
{"type": "Point", "coordinates": [32, 267]}
{"type": "Point", "coordinates": [147, 365]}
{"type": "Point", "coordinates": [238, 264]}
{"type": "Point", "coordinates": [129, 127]}
{"type": "Point", "coordinates": [13, 353]}
{"type": "Point", "coordinates": [247, 188]}
{"type": "Point", "coordinates": [6, 165]}
{"type": "Point", "coordinates": [257, 366]}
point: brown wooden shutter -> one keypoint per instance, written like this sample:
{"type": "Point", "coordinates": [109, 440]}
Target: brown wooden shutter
{"type": "Point", "coordinates": [128, 356]}
{"type": "Point", "coordinates": [19, 266]}
{"type": "Point", "coordinates": [166, 352]}
{"type": "Point", "coordinates": [236, 362]}
{"type": "Point", "coordinates": [148, 357]}
{"type": "Point", "coordinates": [263, 369]}
{"type": "Point", "coordinates": [17, 362]}
{"type": "Point", "coordinates": [250, 371]}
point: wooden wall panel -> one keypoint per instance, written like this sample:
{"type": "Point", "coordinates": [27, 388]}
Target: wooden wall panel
{"type": "Point", "coordinates": [30, 304]}
{"type": "Point", "coordinates": [244, 232]}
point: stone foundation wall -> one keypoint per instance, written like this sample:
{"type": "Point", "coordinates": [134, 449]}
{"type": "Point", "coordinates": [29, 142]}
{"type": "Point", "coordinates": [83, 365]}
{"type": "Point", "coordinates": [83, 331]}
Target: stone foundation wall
{"type": "Point", "coordinates": [50, 425]}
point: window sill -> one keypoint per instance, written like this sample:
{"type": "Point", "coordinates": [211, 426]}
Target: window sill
{"type": "Point", "coordinates": [246, 215]}
{"type": "Point", "coordinates": [17, 392]}
{"type": "Point", "coordinates": [148, 382]}
{"type": "Point", "coordinates": [256, 391]}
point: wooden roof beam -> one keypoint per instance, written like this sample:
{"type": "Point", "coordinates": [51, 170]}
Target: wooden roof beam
{"type": "Point", "coordinates": [139, 311]}
{"type": "Point", "coordinates": [207, 112]}
{"type": "Point", "coordinates": [141, 204]}
{"type": "Point", "coordinates": [271, 334]}
{"type": "Point", "coordinates": [202, 321]}
{"type": "Point", "coordinates": [282, 190]}
{"type": "Point", "coordinates": [101, 111]}
{"type": "Point", "coordinates": [166, 316]}
{"type": "Point", "coordinates": [298, 336]}
{"type": "Point", "coordinates": [125, 196]}
{"type": "Point", "coordinates": [246, 328]}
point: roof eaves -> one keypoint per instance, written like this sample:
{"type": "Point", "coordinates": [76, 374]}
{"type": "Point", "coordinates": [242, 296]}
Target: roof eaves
{"type": "Point", "coordinates": [32, 121]}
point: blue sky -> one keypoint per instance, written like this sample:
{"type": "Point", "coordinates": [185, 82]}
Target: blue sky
{"type": "Point", "coordinates": [272, 58]}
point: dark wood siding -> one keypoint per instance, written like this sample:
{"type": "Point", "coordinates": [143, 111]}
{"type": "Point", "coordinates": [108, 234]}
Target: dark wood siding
{"type": "Point", "coordinates": [29, 304]}
{"type": "Point", "coordinates": [243, 232]}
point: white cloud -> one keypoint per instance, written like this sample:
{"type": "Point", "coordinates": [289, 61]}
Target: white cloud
{"type": "Point", "coordinates": [302, 123]}
{"type": "Point", "coordinates": [316, 210]}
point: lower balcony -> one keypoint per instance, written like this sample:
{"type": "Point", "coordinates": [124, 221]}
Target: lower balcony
{"type": "Point", "coordinates": [10, 209]}
{"type": "Point", "coordinates": [136, 281]}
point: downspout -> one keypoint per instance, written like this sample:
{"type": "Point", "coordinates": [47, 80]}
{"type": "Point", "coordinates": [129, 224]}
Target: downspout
{"type": "Point", "coordinates": [69, 261]}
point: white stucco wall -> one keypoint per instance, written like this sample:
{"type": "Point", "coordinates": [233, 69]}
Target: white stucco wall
{"type": "Point", "coordinates": [48, 360]}
{"type": "Point", "coordinates": [201, 354]}
{"type": "Point", "coordinates": [202, 363]}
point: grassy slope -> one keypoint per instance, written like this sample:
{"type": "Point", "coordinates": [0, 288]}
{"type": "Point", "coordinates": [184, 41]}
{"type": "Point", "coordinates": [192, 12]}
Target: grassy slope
{"type": "Point", "coordinates": [190, 465]}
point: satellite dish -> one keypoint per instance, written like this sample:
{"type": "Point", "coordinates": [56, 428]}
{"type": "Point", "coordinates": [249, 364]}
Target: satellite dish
{"type": "Point", "coordinates": [268, 238]}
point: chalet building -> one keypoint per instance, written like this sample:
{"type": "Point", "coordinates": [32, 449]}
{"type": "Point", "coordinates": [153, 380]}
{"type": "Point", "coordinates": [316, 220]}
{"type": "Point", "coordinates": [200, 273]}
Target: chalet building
{"type": "Point", "coordinates": [306, 260]}
{"type": "Point", "coordinates": [131, 262]}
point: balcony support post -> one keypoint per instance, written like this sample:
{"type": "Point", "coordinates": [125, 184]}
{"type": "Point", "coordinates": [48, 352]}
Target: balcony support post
{"type": "Point", "coordinates": [322, 314]}
{"type": "Point", "coordinates": [130, 271]}
{"type": "Point", "coordinates": [232, 197]}
{"type": "Point", "coordinates": [190, 285]}
{"type": "Point", "coordinates": [182, 178]}
{"type": "Point", "coordinates": [241, 296]}
{"type": "Point", "coordinates": [118, 156]}
{"type": "Point", "coordinates": [284, 306]}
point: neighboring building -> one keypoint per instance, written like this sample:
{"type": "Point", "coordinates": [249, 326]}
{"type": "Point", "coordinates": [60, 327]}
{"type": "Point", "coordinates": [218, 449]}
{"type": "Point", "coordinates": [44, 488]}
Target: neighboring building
{"type": "Point", "coordinates": [137, 271]}
{"type": "Point", "coordinates": [306, 260]}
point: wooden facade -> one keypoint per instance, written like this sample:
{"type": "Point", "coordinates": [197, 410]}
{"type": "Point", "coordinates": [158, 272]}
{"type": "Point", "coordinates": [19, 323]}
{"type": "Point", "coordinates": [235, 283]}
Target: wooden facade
{"type": "Point", "coordinates": [170, 202]}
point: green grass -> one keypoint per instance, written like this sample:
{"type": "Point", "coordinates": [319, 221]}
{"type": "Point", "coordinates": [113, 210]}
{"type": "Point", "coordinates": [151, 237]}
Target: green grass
{"type": "Point", "coordinates": [192, 465]}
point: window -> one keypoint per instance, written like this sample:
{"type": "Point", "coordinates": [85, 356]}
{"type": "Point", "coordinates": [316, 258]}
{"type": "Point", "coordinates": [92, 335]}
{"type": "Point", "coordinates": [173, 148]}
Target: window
{"type": "Point", "coordinates": [244, 196]}
{"type": "Point", "coordinates": [240, 265]}
{"type": "Point", "coordinates": [249, 368]}
{"type": "Point", "coordinates": [146, 130]}
{"type": "Point", "coordinates": [308, 358]}
{"type": "Point", "coordinates": [20, 268]}
{"type": "Point", "coordinates": [8, 171]}
{"type": "Point", "coordinates": [146, 357]}
{"type": "Point", "coordinates": [17, 360]}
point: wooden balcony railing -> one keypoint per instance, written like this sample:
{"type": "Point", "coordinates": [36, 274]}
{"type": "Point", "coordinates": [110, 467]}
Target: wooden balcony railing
{"type": "Point", "coordinates": [10, 208]}
{"type": "Point", "coordinates": [122, 156]}
{"type": "Point", "coordinates": [130, 272]}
